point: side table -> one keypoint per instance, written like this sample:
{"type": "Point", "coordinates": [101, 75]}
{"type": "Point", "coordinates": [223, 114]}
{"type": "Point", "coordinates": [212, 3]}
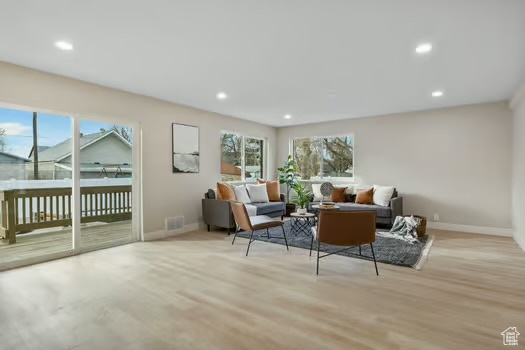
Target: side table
{"type": "Point", "coordinates": [302, 223]}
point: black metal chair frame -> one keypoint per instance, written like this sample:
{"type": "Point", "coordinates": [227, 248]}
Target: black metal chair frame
{"type": "Point", "coordinates": [342, 250]}
{"type": "Point", "coordinates": [253, 238]}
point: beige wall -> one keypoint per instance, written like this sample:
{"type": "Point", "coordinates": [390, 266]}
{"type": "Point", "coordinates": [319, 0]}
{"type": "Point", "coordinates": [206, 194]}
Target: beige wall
{"type": "Point", "coordinates": [518, 173]}
{"type": "Point", "coordinates": [455, 161]}
{"type": "Point", "coordinates": [164, 194]}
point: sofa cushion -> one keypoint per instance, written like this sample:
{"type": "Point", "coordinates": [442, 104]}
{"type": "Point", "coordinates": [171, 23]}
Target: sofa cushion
{"type": "Point", "coordinates": [241, 194]}
{"type": "Point", "coordinates": [273, 189]}
{"type": "Point", "coordinates": [338, 195]}
{"type": "Point", "coordinates": [383, 194]}
{"type": "Point", "coordinates": [225, 191]}
{"type": "Point", "coordinates": [265, 208]}
{"type": "Point", "coordinates": [258, 193]}
{"type": "Point", "coordinates": [381, 211]}
{"type": "Point", "coordinates": [365, 196]}
{"type": "Point", "coordinates": [350, 197]}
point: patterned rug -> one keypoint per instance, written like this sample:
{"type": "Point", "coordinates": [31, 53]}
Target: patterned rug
{"type": "Point", "coordinates": [387, 250]}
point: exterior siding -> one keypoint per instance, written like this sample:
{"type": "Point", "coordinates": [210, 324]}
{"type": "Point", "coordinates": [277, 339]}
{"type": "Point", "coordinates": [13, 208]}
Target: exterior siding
{"type": "Point", "coordinates": [12, 168]}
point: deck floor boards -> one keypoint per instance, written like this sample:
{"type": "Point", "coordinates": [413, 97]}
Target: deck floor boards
{"type": "Point", "coordinates": [36, 244]}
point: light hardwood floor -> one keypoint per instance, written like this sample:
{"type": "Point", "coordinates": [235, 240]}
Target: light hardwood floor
{"type": "Point", "coordinates": [197, 291]}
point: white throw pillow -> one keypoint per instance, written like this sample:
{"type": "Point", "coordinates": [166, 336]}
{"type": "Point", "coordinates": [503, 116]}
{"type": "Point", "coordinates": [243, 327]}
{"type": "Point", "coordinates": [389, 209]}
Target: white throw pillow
{"type": "Point", "coordinates": [383, 194]}
{"type": "Point", "coordinates": [258, 193]}
{"type": "Point", "coordinates": [316, 189]}
{"type": "Point", "coordinates": [241, 194]}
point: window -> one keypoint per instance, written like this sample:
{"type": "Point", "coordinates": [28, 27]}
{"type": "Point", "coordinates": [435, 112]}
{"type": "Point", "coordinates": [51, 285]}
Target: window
{"type": "Point", "coordinates": [242, 157]}
{"type": "Point", "coordinates": [324, 157]}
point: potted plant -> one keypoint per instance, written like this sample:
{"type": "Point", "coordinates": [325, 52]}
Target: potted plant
{"type": "Point", "coordinates": [302, 198]}
{"type": "Point", "coordinates": [288, 177]}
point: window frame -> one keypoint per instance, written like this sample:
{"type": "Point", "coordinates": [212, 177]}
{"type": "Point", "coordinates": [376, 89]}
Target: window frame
{"type": "Point", "coordinates": [243, 137]}
{"type": "Point", "coordinates": [326, 178]}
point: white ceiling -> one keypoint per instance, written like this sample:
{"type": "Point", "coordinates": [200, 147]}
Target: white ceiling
{"type": "Point", "coordinates": [317, 60]}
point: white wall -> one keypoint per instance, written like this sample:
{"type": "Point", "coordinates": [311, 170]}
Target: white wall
{"type": "Point", "coordinates": [518, 173]}
{"type": "Point", "coordinates": [164, 194]}
{"type": "Point", "coordinates": [452, 161]}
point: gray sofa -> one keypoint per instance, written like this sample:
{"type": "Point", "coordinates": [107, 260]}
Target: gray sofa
{"type": "Point", "coordinates": [384, 215]}
{"type": "Point", "coordinates": [216, 212]}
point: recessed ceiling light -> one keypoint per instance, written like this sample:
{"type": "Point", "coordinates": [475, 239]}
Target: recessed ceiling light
{"type": "Point", "coordinates": [437, 93]}
{"type": "Point", "coordinates": [222, 96]}
{"type": "Point", "coordinates": [424, 48]}
{"type": "Point", "coordinates": [64, 45]}
{"type": "Point", "coordinates": [287, 116]}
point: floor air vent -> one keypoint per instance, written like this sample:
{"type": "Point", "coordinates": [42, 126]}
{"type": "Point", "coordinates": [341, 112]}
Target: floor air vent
{"type": "Point", "coordinates": [174, 223]}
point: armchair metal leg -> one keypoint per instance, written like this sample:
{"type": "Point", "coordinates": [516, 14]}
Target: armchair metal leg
{"type": "Point", "coordinates": [311, 245]}
{"type": "Point", "coordinates": [317, 257]}
{"type": "Point", "coordinates": [250, 242]}
{"type": "Point", "coordinates": [267, 233]}
{"type": "Point", "coordinates": [360, 250]}
{"type": "Point", "coordinates": [374, 256]}
{"type": "Point", "coordinates": [285, 240]}
{"type": "Point", "coordinates": [235, 236]}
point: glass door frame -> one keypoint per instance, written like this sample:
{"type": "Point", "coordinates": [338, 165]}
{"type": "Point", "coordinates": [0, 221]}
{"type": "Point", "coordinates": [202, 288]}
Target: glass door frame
{"type": "Point", "coordinates": [136, 183]}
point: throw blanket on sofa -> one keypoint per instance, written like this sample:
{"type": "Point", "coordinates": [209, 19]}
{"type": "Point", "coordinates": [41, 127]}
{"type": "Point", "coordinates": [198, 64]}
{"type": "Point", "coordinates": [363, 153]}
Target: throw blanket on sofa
{"type": "Point", "coordinates": [404, 228]}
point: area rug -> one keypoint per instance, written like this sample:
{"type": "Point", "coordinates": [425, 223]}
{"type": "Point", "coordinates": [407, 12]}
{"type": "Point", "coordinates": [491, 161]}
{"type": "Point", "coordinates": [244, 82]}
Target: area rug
{"type": "Point", "coordinates": [387, 250]}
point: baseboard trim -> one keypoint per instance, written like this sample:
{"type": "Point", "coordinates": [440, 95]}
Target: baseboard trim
{"type": "Point", "coordinates": [495, 231]}
{"type": "Point", "coordinates": [160, 234]}
{"type": "Point", "coordinates": [520, 240]}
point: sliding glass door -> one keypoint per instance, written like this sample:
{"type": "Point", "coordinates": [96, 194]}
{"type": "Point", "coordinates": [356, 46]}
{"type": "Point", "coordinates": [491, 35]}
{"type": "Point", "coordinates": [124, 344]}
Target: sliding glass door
{"type": "Point", "coordinates": [35, 185]}
{"type": "Point", "coordinates": [106, 174]}
{"type": "Point", "coordinates": [66, 186]}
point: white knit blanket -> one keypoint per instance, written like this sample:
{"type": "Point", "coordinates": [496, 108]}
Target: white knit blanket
{"type": "Point", "coordinates": [404, 228]}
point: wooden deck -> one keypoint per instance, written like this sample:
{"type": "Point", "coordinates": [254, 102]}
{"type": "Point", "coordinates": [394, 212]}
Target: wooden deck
{"type": "Point", "coordinates": [59, 240]}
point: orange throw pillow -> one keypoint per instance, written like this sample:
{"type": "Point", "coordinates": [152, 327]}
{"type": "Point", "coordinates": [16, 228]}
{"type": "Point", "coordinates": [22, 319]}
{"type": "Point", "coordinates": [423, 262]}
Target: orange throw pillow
{"type": "Point", "coordinates": [273, 189]}
{"type": "Point", "coordinates": [365, 197]}
{"type": "Point", "coordinates": [225, 191]}
{"type": "Point", "coordinates": [338, 195]}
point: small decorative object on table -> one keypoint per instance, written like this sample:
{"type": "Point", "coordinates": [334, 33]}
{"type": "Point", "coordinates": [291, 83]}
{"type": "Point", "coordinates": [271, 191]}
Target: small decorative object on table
{"type": "Point", "coordinates": [327, 205]}
{"type": "Point", "coordinates": [326, 190]}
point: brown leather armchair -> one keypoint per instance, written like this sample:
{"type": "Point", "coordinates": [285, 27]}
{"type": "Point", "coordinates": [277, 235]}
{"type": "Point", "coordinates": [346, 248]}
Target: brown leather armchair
{"type": "Point", "coordinates": [347, 229]}
{"type": "Point", "coordinates": [254, 223]}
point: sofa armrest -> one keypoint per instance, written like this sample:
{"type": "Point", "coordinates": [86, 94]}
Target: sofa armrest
{"type": "Point", "coordinates": [217, 213]}
{"type": "Point", "coordinates": [397, 207]}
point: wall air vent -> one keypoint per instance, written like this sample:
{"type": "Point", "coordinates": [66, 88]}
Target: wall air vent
{"type": "Point", "coordinates": [174, 223]}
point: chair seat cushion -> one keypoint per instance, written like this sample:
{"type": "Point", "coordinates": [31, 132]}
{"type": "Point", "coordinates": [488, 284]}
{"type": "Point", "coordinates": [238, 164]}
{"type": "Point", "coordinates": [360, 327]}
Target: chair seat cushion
{"type": "Point", "coordinates": [271, 207]}
{"type": "Point", "coordinates": [251, 209]}
{"type": "Point", "coordinates": [263, 221]}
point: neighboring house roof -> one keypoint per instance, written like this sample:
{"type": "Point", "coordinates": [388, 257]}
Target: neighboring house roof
{"type": "Point", "coordinates": [63, 149]}
{"type": "Point", "coordinates": [14, 156]}
{"type": "Point", "coordinates": [40, 149]}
